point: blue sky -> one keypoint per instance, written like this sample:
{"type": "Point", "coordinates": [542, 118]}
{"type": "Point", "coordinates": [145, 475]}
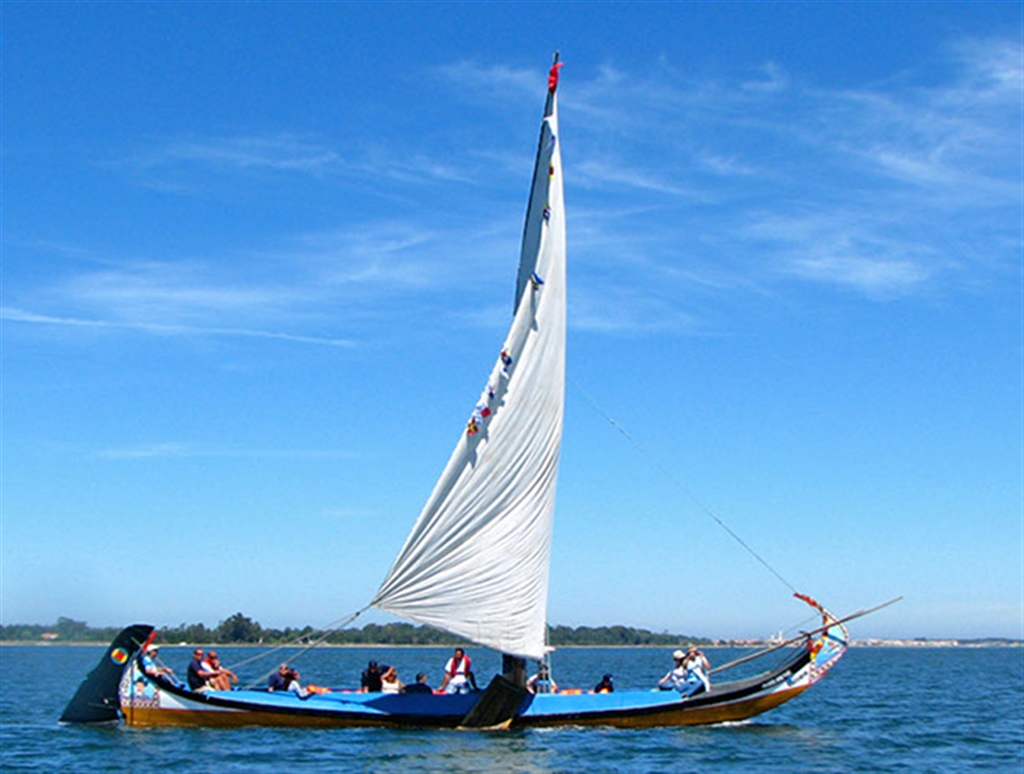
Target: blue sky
{"type": "Point", "coordinates": [257, 259]}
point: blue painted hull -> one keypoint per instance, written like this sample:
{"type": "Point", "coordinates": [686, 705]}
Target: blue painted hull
{"type": "Point", "coordinates": [118, 681]}
{"type": "Point", "coordinates": [145, 702]}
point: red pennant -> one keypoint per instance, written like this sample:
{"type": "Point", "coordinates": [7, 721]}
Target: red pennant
{"type": "Point", "coordinates": [553, 76]}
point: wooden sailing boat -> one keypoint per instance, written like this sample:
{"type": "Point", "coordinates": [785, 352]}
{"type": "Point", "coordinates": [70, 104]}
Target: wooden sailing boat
{"type": "Point", "coordinates": [476, 562]}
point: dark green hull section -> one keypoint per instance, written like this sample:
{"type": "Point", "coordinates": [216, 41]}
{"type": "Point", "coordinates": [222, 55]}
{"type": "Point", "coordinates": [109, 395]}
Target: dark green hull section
{"type": "Point", "coordinates": [96, 700]}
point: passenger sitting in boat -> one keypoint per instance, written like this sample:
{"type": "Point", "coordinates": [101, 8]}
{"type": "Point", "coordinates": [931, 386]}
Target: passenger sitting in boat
{"type": "Point", "coordinates": [389, 682]}
{"type": "Point", "coordinates": [697, 667]}
{"type": "Point", "coordinates": [675, 680]}
{"type": "Point", "coordinates": [287, 679]}
{"type": "Point", "coordinates": [151, 667]}
{"type": "Point", "coordinates": [199, 675]}
{"type": "Point", "coordinates": [295, 686]}
{"type": "Point", "coordinates": [542, 682]}
{"type": "Point", "coordinates": [420, 686]}
{"type": "Point", "coordinates": [605, 686]}
{"type": "Point", "coordinates": [689, 676]}
{"type": "Point", "coordinates": [223, 677]}
{"type": "Point", "coordinates": [370, 681]}
{"type": "Point", "coordinates": [458, 674]}
{"type": "Point", "coordinates": [279, 680]}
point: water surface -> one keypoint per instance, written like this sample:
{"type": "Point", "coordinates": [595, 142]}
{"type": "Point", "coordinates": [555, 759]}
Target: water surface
{"type": "Point", "coordinates": [886, 709]}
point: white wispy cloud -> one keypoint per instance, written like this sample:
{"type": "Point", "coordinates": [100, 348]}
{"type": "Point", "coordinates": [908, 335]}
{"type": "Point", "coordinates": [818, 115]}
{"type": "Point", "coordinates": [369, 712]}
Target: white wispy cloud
{"type": "Point", "coordinates": [876, 278]}
{"type": "Point", "coordinates": [492, 80]}
{"type": "Point", "coordinates": [866, 189]}
{"type": "Point", "coordinates": [280, 153]}
{"type": "Point", "coordinates": [681, 179]}
{"type": "Point", "coordinates": [313, 283]}
{"type": "Point", "coordinates": [185, 165]}
{"type": "Point", "coordinates": [15, 315]}
{"type": "Point", "coordinates": [636, 313]}
{"type": "Point", "coordinates": [774, 79]}
{"type": "Point", "coordinates": [625, 176]}
{"type": "Point", "coordinates": [176, 450]}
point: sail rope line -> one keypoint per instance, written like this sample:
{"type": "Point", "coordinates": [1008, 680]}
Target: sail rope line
{"type": "Point", "coordinates": [668, 474]}
{"type": "Point", "coordinates": [329, 629]}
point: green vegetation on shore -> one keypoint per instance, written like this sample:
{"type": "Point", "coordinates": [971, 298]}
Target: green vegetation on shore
{"type": "Point", "coordinates": [240, 629]}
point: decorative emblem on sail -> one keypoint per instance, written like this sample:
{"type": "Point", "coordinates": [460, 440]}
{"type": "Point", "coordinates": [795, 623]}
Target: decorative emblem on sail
{"type": "Point", "coordinates": [477, 560]}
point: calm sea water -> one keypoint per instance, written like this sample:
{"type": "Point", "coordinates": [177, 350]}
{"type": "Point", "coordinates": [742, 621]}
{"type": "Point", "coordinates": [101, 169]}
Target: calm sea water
{"type": "Point", "coordinates": [917, 710]}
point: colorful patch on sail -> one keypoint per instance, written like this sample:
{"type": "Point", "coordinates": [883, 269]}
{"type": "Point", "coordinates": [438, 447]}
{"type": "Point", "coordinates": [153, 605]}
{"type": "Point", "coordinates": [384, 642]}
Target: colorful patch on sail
{"type": "Point", "coordinates": [119, 655]}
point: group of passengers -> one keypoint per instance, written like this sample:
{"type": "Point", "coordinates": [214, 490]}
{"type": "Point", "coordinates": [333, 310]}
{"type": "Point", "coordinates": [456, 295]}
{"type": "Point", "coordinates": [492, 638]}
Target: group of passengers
{"type": "Point", "coordinates": [689, 676]}
{"type": "Point", "coordinates": [383, 678]}
{"type": "Point", "coordinates": [205, 672]}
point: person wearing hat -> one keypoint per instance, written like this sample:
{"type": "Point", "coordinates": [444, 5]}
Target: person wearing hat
{"type": "Point", "coordinates": [370, 682]}
{"type": "Point", "coordinates": [675, 680]}
{"type": "Point", "coordinates": [690, 674]}
{"type": "Point", "coordinates": [606, 685]}
{"type": "Point", "coordinates": [697, 667]}
{"type": "Point", "coordinates": [150, 665]}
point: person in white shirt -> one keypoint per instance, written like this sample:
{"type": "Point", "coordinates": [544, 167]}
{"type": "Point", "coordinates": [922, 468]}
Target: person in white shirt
{"type": "Point", "coordinates": [675, 680]}
{"type": "Point", "coordinates": [389, 682]}
{"type": "Point", "coordinates": [458, 673]}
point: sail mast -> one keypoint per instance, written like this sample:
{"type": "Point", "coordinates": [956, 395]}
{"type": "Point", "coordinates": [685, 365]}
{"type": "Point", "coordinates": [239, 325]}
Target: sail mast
{"type": "Point", "coordinates": [476, 562]}
{"type": "Point", "coordinates": [531, 229]}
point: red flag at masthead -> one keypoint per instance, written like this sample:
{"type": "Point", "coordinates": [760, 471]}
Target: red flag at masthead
{"type": "Point", "coordinates": [553, 75]}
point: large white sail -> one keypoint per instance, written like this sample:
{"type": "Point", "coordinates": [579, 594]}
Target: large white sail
{"type": "Point", "coordinates": [477, 560]}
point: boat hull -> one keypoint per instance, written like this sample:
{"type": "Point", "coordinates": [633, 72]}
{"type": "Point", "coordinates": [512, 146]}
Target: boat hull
{"type": "Point", "coordinates": [149, 702]}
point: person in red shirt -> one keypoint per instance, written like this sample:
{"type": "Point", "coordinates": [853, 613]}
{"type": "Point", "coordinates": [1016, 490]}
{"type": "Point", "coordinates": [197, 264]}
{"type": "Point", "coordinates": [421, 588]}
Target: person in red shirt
{"type": "Point", "coordinates": [458, 673]}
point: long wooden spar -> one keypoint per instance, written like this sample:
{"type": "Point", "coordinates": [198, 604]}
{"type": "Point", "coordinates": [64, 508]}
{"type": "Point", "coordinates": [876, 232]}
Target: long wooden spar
{"type": "Point", "coordinates": [803, 635]}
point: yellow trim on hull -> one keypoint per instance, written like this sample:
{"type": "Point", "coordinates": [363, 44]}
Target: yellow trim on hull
{"type": "Point", "coordinates": [679, 715]}
{"type": "Point", "coordinates": [149, 717]}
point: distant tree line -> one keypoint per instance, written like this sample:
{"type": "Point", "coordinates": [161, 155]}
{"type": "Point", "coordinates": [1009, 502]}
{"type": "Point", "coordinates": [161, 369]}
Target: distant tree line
{"type": "Point", "coordinates": [240, 629]}
{"type": "Point", "coordinates": [616, 635]}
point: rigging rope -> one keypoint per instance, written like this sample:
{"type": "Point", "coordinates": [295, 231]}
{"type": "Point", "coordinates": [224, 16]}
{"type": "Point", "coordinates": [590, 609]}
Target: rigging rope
{"type": "Point", "coordinates": [696, 500]}
{"type": "Point", "coordinates": [341, 623]}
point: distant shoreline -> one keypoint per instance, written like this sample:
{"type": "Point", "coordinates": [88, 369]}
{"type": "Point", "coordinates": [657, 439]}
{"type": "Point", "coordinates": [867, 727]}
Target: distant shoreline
{"type": "Point", "coordinates": [868, 643]}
